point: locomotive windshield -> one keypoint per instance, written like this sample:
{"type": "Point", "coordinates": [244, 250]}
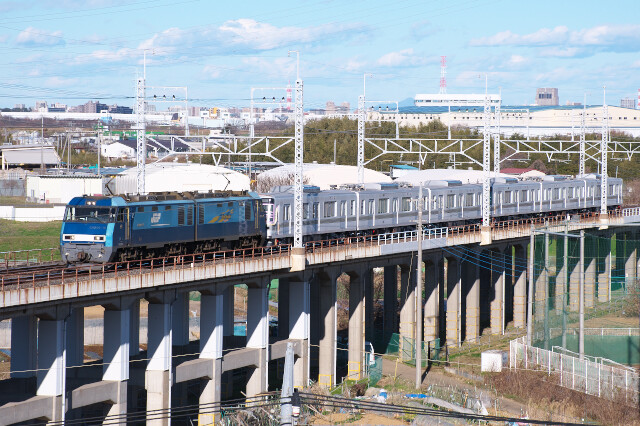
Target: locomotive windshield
{"type": "Point", "coordinates": [90, 214]}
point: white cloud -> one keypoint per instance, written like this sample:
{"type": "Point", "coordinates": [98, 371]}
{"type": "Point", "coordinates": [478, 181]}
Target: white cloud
{"type": "Point", "coordinates": [354, 65]}
{"type": "Point", "coordinates": [517, 60]}
{"type": "Point", "coordinates": [619, 38]}
{"type": "Point", "coordinates": [34, 37]}
{"type": "Point", "coordinates": [61, 82]}
{"type": "Point", "coordinates": [401, 58]}
{"type": "Point", "coordinates": [239, 36]}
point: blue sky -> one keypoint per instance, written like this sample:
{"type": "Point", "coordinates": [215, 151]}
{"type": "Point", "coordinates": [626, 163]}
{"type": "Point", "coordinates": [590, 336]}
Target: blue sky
{"type": "Point", "coordinates": [71, 51]}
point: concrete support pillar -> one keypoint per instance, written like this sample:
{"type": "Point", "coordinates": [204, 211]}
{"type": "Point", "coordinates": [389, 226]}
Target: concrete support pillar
{"type": "Point", "coordinates": [134, 329]}
{"type": "Point", "coordinates": [212, 310]}
{"type": "Point", "coordinates": [180, 319]}
{"type": "Point", "coordinates": [561, 274]}
{"type": "Point", "coordinates": [258, 336]}
{"type": "Point", "coordinates": [158, 373]}
{"type": "Point", "coordinates": [356, 327]}
{"type": "Point", "coordinates": [24, 344]}
{"type": "Point", "coordinates": [604, 268]}
{"type": "Point", "coordinates": [75, 338]}
{"type": "Point", "coordinates": [116, 355]}
{"type": "Point", "coordinates": [299, 328]}
{"type": "Point", "coordinates": [229, 310]}
{"type": "Point", "coordinates": [498, 278]}
{"type": "Point", "coordinates": [327, 332]}
{"type": "Point", "coordinates": [630, 260]}
{"type": "Point", "coordinates": [589, 280]}
{"type": "Point", "coordinates": [453, 301]}
{"type": "Point", "coordinates": [51, 376]}
{"type": "Point", "coordinates": [471, 281]}
{"type": "Point", "coordinates": [520, 287]}
{"type": "Point", "coordinates": [367, 282]}
{"type": "Point", "coordinates": [431, 305]}
{"type": "Point", "coordinates": [390, 301]}
{"type": "Point", "coordinates": [284, 301]}
{"type": "Point", "coordinates": [407, 309]}
{"type": "Point", "coordinates": [574, 274]}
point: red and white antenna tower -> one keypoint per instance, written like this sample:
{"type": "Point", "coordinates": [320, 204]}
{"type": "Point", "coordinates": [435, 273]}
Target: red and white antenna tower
{"type": "Point", "coordinates": [443, 74]}
{"type": "Point", "coordinates": [289, 96]}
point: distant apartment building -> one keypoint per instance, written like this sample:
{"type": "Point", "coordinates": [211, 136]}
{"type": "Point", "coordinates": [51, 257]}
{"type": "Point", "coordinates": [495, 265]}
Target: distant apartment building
{"type": "Point", "coordinates": [628, 103]}
{"type": "Point", "coordinates": [57, 107]}
{"type": "Point", "coordinates": [20, 107]}
{"type": "Point", "coordinates": [41, 106]}
{"type": "Point", "coordinates": [332, 108]}
{"type": "Point", "coordinates": [547, 96]}
{"type": "Point", "coordinates": [119, 109]}
{"type": "Point", "coordinates": [94, 107]}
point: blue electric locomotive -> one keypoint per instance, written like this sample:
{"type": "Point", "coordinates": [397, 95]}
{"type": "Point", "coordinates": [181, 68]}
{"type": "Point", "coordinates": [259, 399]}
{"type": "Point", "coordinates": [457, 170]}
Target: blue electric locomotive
{"type": "Point", "coordinates": [109, 228]}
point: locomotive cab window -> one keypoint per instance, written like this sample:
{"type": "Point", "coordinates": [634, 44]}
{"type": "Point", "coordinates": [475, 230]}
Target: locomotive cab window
{"type": "Point", "coordinates": [90, 214]}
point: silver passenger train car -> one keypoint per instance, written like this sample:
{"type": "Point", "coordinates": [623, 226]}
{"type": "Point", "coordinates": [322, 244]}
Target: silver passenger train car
{"type": "Point", "coordinates": [377, 208]}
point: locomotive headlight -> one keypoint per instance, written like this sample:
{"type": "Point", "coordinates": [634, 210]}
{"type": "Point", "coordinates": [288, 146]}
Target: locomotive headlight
{"type": "Point", "coordinates": [69, 237]}
{"type": "Point", "coordinates": [98, 238]}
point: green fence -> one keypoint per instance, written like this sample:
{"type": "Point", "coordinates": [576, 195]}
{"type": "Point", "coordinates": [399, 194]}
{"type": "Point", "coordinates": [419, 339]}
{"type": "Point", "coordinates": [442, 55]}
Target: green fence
{"type": "Point", "coordinates": [405, 348]}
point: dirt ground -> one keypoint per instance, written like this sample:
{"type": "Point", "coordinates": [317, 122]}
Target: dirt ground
{"type": "Point", "coordinates": [366, 419]}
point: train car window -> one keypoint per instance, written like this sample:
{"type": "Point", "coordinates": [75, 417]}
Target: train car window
{"type": "Point", "coordinates": [314, 210]}
{"type": "Point", "coordinates": [460, 201]}
{"type": "Point", "coordinates": [451, 201]}
{"type": "Point", "coordinates": [370, 207]}
{"type": "Point", "coordinates": [506, 198]}
{"type": "Point", "coordinates": [383, 205]}
{"type": "Point", "coordinates": [343, 208]}
{"type": "Point", "coordinates": [201, 214]}
{"type": "Point", "coordinates": [190, 215]}
{"type": "Point", "coordinates": [120, 217]}
{"type": "Point", "coordinates": [406, 204]}
{"type": "Point", "coordinates": [468, 200]}
{"type": "Point", "coordinates": [180, 215]}
{"type": "Point", "coordinates": [154, 208]}
{"type": "Point", "coordinates": [362, 204]}
{"type": "Point", "coordinates": [329, 208]}
{"type": "Point", "coordinates": [305, 211]}
{"type": "Point", "coordinates": [556, 193]}
{"type": "Point", "coordinates": [523, 196]}
{"type": "Point", "coordinates": [287, 212]}
{"type": "Point", "coordinates": [352, 208]}
{"type": "Point", "coordinates": [394, 205]}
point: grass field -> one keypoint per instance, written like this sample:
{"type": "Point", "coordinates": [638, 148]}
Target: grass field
{"type": "Point", "coordinates": [28, 235]}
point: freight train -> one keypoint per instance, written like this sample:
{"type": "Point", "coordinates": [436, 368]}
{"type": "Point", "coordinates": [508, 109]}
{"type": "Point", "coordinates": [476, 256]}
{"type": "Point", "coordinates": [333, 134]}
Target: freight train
{"type": "Point", "coordinates": [110, 228]}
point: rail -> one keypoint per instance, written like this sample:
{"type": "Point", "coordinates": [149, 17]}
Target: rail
{"type": "Point", "coordinates": [45, 277]}
{"type": "Point", "coordinates": [18, 258]}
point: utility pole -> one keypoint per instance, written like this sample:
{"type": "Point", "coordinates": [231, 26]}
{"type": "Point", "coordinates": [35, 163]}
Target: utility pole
{"type": "Point", "coordinates": [583, 136]}
{"type": "Point", "coordinates": [530, 273]}
{"type": "Point", "coordinates": [496, 136]}
{"type": "Point", "coordinates": [581, 300]}
{"type": "Point", "coordinates": [604, 147]}
{"type": "Point", "coordinates": [334, 150]}
{"type": "Point", "coordinates": [486, 157]}
{"type": "Point", "coordinates": [141, 144]}
{"type": "Point", "coordinates": [362, 118]}
{"type": "Point", "coordinates": [299, 158]}
{"type": "Point", "coordinates": [419, 293]}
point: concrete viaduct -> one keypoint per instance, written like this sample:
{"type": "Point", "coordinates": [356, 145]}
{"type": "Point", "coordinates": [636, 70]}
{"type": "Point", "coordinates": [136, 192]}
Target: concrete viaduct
{"type": "Point", "coordinates": [47, 317]}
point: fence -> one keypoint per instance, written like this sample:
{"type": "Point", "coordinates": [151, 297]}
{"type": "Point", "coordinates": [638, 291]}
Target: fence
{"type": "Point", "coordinates": [583, 375]}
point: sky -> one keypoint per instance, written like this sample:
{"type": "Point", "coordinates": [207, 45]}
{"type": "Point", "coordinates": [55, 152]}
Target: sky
{"type": "Point", "coordinates": [72, 51]}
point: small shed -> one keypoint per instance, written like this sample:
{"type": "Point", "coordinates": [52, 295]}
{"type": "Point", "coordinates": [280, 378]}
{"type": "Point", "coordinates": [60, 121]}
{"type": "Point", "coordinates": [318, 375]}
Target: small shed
{"type": "Point", "coordinates": [399, 170]}
{"type": "Point", "coordinates": [28, 156]}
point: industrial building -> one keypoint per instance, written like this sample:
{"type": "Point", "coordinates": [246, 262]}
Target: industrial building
{"type": "Point", "coordinates": [28, 156]}
{"type": "Point", "coordinates": [547, 96]}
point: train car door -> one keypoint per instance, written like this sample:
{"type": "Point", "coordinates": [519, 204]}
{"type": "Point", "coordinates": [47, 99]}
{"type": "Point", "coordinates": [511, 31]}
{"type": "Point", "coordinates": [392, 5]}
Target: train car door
{"type": "Point", "coordinates": [127, 225]}
{"type": "Point", "coordinates": [243, 209]}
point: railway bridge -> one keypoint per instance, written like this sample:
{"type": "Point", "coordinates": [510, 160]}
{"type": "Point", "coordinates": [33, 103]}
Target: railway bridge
{"type": "Point", "coordinates": [50, 380]}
